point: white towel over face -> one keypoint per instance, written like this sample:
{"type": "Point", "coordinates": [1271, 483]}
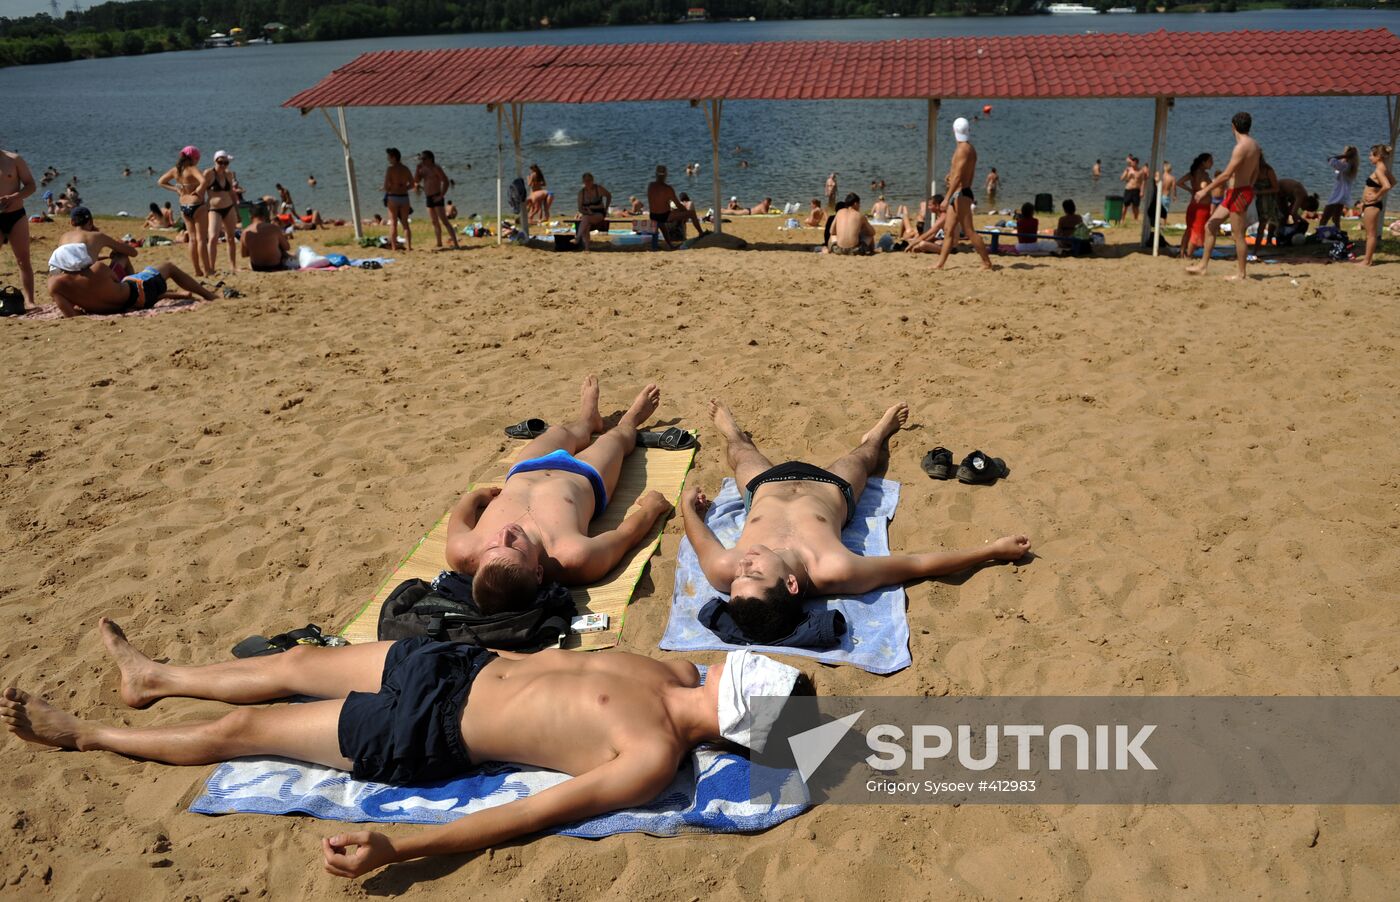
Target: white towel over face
{"type": "Point", "coordinates": [70, 258]}
{"type": "Point", "coordinates": [747, 676]}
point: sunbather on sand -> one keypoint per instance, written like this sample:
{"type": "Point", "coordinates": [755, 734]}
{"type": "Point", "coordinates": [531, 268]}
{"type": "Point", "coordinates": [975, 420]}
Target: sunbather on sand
{"type": "Point", "coordinates": [536, 527]}
{"type": "Point", "coordinates": [816, 216]}
{"type": "Point", "coordinates": [96, 289]}
{"type": "Point", "coordinates": [416, 711]}
{"type": "Point", "coordinates": [791, 548]}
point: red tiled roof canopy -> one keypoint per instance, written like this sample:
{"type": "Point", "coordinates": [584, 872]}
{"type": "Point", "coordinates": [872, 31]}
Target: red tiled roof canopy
{"type": "Point", "coordinates": [1158, 64]}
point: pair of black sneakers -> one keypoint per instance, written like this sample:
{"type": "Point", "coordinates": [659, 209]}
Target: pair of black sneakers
{"type": "Point", "coordinates": [975, 469]}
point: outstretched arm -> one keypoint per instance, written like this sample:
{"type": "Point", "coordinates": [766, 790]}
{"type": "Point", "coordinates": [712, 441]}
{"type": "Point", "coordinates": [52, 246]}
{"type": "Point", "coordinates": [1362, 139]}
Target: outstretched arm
{"type": "Point", "coordinates": [708, 549]}
{"type": "Point", "coordinates": [632, 778]}
{"type": "Point", "coordinates": [598, 555]}
{"type": "Point", "coordinates": [866, 574]}
{"type": "Point", "coordinates": [1236, 157]}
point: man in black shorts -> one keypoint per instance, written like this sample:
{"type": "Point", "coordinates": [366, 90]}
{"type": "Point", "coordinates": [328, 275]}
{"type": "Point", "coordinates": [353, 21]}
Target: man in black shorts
{"type": "Point", "coordinates": [416, 711]}
{"type": "Point", "coordinates": [1134, 174]}
{"type": "Point", "coordinates": [16, 183]}
{"type": "Point", "coordinates": [667, 209]}
{"type": "Point", "coordinates": [791, 544]}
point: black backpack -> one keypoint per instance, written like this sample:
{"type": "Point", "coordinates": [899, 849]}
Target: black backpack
{"type": "Point", "coordinates": [415, 609]}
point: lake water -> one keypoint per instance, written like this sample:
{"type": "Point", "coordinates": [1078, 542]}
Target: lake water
{"type": "Point", "coordinates": [92, 117]}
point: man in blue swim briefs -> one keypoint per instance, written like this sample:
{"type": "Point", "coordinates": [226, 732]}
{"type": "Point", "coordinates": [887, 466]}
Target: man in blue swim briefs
{"type": "Point", "coordinates": [536, 528]}
{"type": "Point", "coordinates": [791, 547]}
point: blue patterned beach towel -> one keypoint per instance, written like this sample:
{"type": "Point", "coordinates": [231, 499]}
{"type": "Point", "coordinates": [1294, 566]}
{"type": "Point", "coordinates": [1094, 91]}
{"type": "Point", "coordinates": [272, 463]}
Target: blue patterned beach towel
{"type": "Point", "coordinates": [877, 633]}
{"type": "Point", "coordinates": [711, 794]}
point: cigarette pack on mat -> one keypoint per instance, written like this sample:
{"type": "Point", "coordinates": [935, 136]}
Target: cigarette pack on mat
{"type": "Point", "coordinates": [589, 623]}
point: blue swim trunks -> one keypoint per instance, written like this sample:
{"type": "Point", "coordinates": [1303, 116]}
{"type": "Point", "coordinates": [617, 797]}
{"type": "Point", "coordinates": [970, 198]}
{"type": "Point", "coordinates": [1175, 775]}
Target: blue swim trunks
{"type": "Point", "coordinates": [563, 460]}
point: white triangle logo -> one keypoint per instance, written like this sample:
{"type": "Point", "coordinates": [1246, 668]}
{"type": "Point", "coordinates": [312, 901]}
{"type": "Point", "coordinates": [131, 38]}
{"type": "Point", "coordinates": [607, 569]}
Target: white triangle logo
{"type": "Point", "coordinates": [810, 747]}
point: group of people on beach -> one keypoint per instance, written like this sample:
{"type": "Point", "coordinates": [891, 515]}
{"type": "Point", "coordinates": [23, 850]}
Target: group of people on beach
{"type": "Point", "coordinates": [419, 710]}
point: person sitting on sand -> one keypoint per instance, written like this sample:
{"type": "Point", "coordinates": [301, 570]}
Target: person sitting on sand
{"type": "Point", "coordinates": [417, 711]}
{"type": "Point", "coordinates": [930, 241]}
{"type": "Point", "coordinates": [816, 216]}
{"type": "Point", "coordinates": [266, 245]}
{"type": "Point", "coordinates": [94, 288]}
{"type": "Point", "coordinates": [851, 232]}
{"type": "Point", "coordinates": [880, 209]}
{"type": "Point", "coordinates": [666, 210]}
{"type": "Point", "coordinates": [535, 528]}
{"type": "Point", "coordinates": [791, 548]}
{"type": "Point", "coordinates": [634, 207]}
{"type": "Point", "coordinates": [1069, 223]}
{"type": "Point", "coordinates": [154, 219]}
{"type": "Point", "coordinates": [96, 242]}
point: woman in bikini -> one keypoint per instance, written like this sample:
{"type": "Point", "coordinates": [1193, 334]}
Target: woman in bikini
{"type": "Point", "coordinates": [1378, 185]}
{"type": "Point", "coordinates": [539, 200]}
{"type": "Point", "coordinates": [220, 181]}
{"type": "Point", "coordinates": [186, 180]}
{"type": "Point", "coordinates": [1196, 213]}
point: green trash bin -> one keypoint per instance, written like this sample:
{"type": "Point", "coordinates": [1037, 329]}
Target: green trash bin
{"type": "Point", "coordinates": [1113, 208]}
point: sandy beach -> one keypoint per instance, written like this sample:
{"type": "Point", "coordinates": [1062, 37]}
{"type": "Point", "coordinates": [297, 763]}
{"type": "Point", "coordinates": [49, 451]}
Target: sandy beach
{"type": "Point", "coordinates": [1204, 468]}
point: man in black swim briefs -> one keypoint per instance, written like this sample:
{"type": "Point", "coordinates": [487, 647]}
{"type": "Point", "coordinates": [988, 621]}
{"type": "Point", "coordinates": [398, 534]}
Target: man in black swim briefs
{"type": "Point", "coordinates": [957, 222]}
{"type": "Point", "coordinates": [17, 183]}
{"type": "Point", "coordinates": [791, 546]}
{"type": "Point", "coordinates": [535, 528]}
{"type": "Point", "coordinates": [415, 711]}
{"type": "Point", "coordinates": [430, 178]}
{"type": "Point", "coordinates": [666, 209]}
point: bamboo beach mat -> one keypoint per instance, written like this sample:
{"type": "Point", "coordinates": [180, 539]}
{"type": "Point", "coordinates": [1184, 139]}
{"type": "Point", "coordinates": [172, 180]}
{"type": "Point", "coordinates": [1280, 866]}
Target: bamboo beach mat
{"type": "Point", "coordinates": [643, 470]}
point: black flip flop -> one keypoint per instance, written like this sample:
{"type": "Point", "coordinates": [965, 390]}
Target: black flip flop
{"type": "Point", "coordinates": [672, 439]}
{"type": "Point", "coordinates": [938, 463]}
{"type": "Point", "coordinates": [258, 646]}
{"type": "Point", "coordinates": [531, 428]}
{"type": "Point", "coordinates": [979, 469]}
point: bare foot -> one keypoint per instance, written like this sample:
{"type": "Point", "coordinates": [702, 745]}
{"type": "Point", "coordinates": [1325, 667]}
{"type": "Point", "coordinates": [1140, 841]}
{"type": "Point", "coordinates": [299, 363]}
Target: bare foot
{"type": "Point", "coordinates": [138, 686]}
{"type": "Point", "coordinates": [588, 404]}
{"type": "Point", "coordinates": [893, 420]}
{"type": "Point", "coordinates": [725, 422]}
{"type": "Point", "coordinates": [1238, 277]}
{"type": "Point", "coordinates": [648, 399]}
{"type": "Point", "coordinates": [1195, 270]}
{"type": "Point", "coordinates": [936, 267]}
{"type": "Point", "coordinates": [35, 720]}
{"type": "Point", "coordinates": [1010, 548]}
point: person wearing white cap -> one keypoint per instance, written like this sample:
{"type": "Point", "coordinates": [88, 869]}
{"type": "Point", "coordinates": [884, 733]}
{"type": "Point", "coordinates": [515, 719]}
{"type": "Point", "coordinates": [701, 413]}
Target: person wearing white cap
{"type": "Point", "coordinates": [415, 711]}
{"type": "Point", "coordinates": [791, 549]}
{"type": "Point", "coordinates": [222, 185]}
{"type": "Point", "coordinates": [961, 174]}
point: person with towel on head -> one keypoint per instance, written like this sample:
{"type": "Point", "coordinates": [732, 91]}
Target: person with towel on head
{"type": "Point", "coordinates": [417, 711]}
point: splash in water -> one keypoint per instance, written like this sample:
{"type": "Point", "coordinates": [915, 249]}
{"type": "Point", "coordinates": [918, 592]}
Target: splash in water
{"type": "Point", "coordinates": [560, 138]}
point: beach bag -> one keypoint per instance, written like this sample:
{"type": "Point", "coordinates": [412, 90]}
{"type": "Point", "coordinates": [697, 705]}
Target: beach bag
{"type": "Point", "coordinates": [1340, 251]}
{"type": "Point", "coordinates": [414, 608]}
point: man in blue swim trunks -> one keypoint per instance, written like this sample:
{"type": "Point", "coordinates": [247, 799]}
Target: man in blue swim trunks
{"type": "Point", "coordinates": [536, 528]}
{"type": "Point", "coordinates": [791, 547]}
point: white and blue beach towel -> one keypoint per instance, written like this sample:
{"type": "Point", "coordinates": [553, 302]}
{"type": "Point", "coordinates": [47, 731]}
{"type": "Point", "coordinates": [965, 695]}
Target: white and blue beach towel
{"type": "Point", "coordinates": [877, 630]}
{"type": "Point", "coordinates": [712, 793]}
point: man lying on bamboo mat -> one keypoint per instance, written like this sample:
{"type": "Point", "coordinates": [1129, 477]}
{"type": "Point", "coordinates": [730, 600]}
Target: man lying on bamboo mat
{"type": "Point", "coordinates": [791, 544]}
{"type": "Point", "coordinates": [415, 711]}
{"type": "Point", "coordinates": [536, 527]}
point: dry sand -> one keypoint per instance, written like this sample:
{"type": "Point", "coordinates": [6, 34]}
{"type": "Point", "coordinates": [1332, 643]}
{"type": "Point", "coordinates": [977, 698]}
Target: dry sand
{"type": "Point", "coordinates": [1209, 472]}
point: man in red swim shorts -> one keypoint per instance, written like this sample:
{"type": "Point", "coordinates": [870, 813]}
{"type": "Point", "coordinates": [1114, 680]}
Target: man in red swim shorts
{"type": "Point", "coordinates": [1242, 170]}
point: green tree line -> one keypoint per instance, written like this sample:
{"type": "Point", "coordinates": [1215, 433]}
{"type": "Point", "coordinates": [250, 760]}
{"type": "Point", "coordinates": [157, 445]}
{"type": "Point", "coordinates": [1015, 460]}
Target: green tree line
{"type": "Point", "coordinates": [153, 26]}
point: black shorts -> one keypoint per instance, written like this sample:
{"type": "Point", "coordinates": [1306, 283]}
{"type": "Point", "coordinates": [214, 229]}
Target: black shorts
{"type": "Point", "coordinates": [967, 193]}
{"type": "Point", "coordinates": [1132, 197]}
{"type": "Point", "coordinates": [797, 471]}
{"type": "Point", "coordinates": [410, 731]}
{"type": "Point", "coordinates": [437, 200]}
